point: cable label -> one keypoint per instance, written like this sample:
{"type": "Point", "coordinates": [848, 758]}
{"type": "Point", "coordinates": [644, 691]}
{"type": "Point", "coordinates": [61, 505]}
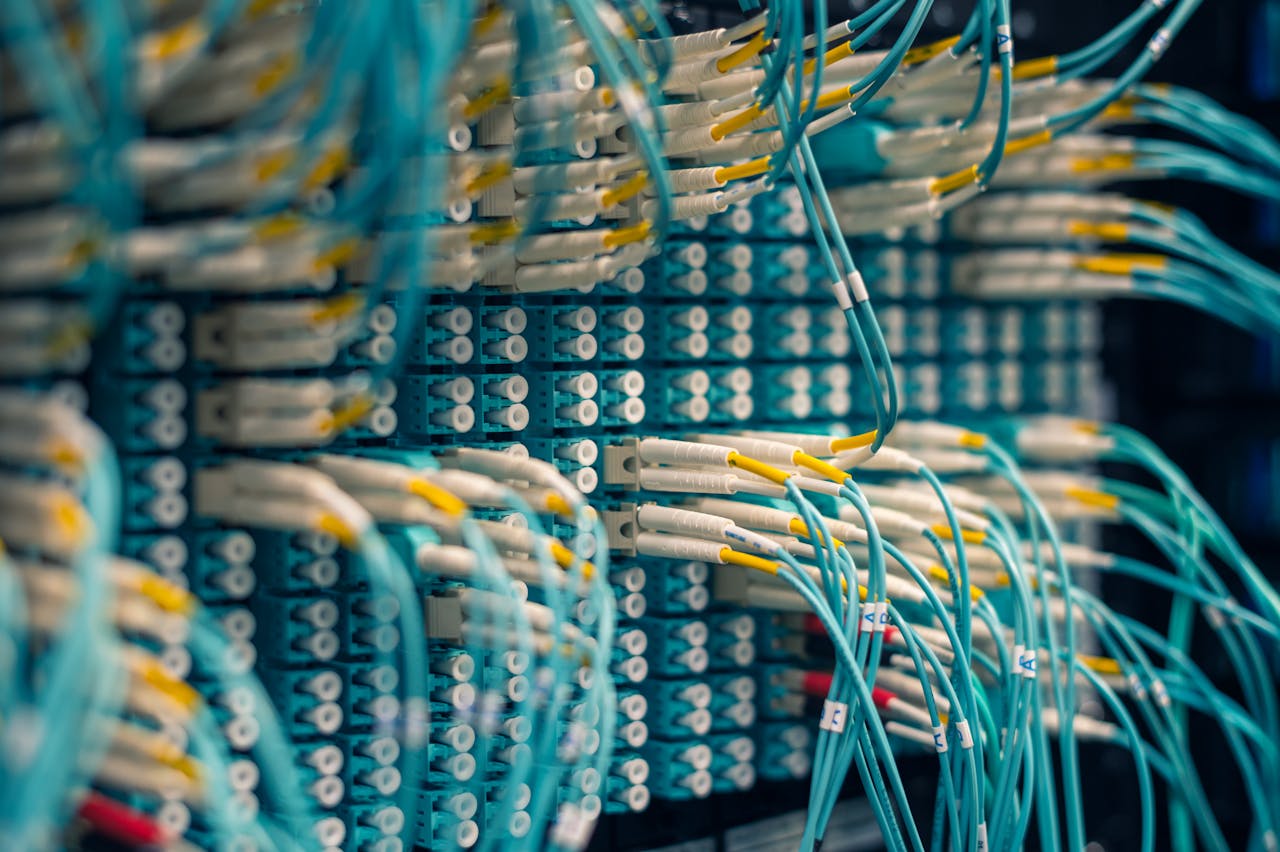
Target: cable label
{"type": "Point", "coordinates": [981, 844]}
{"type": "Point", "coordinates": [843, 299]}
{"type": "Point", "coordinates": [834, 714]}
{"type": "Point", "coordinates": [966, 736]}
{"type": "Point", "coordinates": [1004, 39]}
{"type": "Point", "coordinates": [1027, 663]}
{"type": "Point", "coordinates": [753, 540]}
{"type": "Point", "coordinates": [940, 739]}
{"type": "Point", "coordinates": [572, 828]}
{"type": "Point", "coordinates": [1234, 619]}
{"type": "Point", "coordinates": [1159, 43]}
{"type": "Point", "coordinates": [858, 287]}
{"type": "Point", "coordinates": [875, 616]}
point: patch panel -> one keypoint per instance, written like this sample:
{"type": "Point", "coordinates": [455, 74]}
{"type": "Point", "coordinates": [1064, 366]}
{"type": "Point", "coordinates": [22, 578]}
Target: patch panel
{"type": "Point", "coordinates": [478, 398]}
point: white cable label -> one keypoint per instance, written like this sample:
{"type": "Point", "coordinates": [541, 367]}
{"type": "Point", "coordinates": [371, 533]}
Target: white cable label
{"type": "Point", "coordinates": [1018, 651]}
{"type": "Point", "coordinates": [1160, 693]}
{"type": "Point", "coordinates": [869, 617]}
{"type": "Point", "coordinates": [1004, 39]}
{"type": "Point", "coordinates": [834, 714]}
{"type": "Point", "coordinates": [1135, 688]}
{"type": "Point", "coordinates": [882, 616]}
{"type": "Point", "coordinates": [843, 299]}
{"type": "Point", "coordinates": [1235, 619]}
{"type": "Point", "coordinates": [572, 828]}
{"type": "Point", "coordinates": [966, 736]}
{"type": "Point", "coordinates": [858, 286]}
{"type": "Point", "coordinates": [1027, 663]}
{"type": "Point", "coordinates": [754, 540]}
{"type": "Point", "coordinates": [940, 739]}
{"type": "Point", "coordinates": [1214, 616]}
{"type": "Point", "coordinates": [1159, 43]}
{"type": "Point", "coordinates": [981, 843]}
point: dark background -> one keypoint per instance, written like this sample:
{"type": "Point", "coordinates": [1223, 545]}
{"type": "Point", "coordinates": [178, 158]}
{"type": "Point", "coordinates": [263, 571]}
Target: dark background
{"type": "Point", "coordinates": [1206, 393]}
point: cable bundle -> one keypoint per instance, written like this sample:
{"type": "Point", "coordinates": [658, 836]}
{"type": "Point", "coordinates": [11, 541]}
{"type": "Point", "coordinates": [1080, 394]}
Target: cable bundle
{"type": "Point", "coordinates": [111, 663]}
{"type": "Point", "coordinates": [971, 615]}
